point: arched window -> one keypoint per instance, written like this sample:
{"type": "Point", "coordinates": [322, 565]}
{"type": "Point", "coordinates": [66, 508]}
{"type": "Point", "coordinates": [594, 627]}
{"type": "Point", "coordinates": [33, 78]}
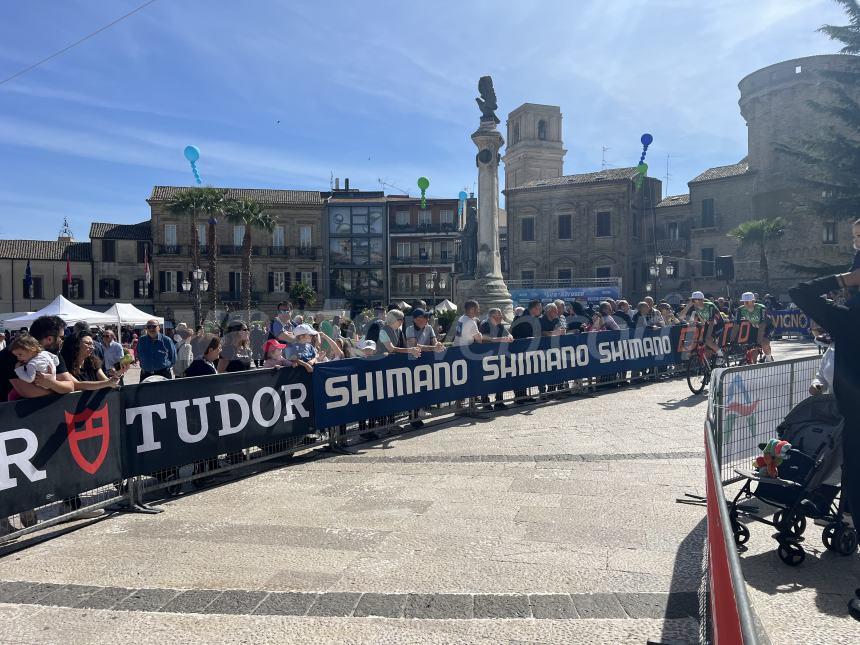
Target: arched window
{"type": "Point", "coordinates": [542, 130]}
{"type": "Point", "coordinates": [515, 135]}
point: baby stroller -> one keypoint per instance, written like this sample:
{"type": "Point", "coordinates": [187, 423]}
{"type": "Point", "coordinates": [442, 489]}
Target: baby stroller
{"type": "Point", "coordinates": [814, 430]}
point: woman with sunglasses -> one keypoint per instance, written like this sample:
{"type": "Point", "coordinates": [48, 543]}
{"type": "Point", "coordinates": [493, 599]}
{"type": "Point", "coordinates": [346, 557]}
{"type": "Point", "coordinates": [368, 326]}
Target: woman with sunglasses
{"type": "Point", "coordinates": [236, 354]}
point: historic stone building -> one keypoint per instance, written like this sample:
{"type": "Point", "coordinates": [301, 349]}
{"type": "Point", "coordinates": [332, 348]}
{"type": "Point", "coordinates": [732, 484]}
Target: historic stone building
{"type": "Point", "coordinates": [776, 103]}
{"type": "Point", "coordinates": [291, 253]}
{"type": "Point", "coordinates": [560, 227]}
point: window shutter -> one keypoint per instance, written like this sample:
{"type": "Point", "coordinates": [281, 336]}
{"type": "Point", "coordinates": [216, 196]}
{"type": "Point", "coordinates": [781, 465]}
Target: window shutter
{"type": "Point", "coordinates": [178, 281]}
{"type": "Point", "coordinates": [162, 279]}
{"type": "Point", "coordinates": [298, 277]}
{"type": "Point", "coordinates": [24, 288]}
{"type": "Point", "coordinates": [271, 281]}
{"type": "Point", "coordinates": [287, 282]}
{"type": "Point", "coordinates": [80, 289]}
{"type": "Point", "coordinates": [137, 284]}
{"type": "Point", "coordinates": [314, 280]}
{"type": "Point", "coordinates": [232, 282]}
{"type": "Point", "coordinates": [65, 289]}
{"type": "Point", "coordinates": [116, 289]}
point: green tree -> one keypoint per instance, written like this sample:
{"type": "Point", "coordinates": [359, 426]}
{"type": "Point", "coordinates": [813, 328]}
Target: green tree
{"type": "Point", "coordinates": [194, 204]}
{"type": "Point", "coordinates": [828, 177]}
{"type": "Point", "coordinates": [251, 215]}
{"type": "Point", "coordinates": [303, 294]}
{"type": "Point", "coordinates": [760, 233]}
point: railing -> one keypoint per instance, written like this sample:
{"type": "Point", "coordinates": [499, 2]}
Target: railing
{"type": "Point", "coordinates": [232, 249]}
{"type": "Point", "coordinates": [169, 249]}
{"type": "Point", "coordinates": [279, 251]}
{"type": "Point", "coordinates": [308, 252]}
{"type": "Point", "coordinates": [551, 283]}
{"type": "Point", "coordinates": [423, 228]}
{"type": "Point", "coordinates": [421, 260]}
{"type": "Point", "coordinates": [672, 246]}
{"type": "Point", "coordinates": [236, 296]}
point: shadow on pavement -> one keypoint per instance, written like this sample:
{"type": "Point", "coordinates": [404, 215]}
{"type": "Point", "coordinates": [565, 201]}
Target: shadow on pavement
{"type": "Point", "coordinates": [686, 572]}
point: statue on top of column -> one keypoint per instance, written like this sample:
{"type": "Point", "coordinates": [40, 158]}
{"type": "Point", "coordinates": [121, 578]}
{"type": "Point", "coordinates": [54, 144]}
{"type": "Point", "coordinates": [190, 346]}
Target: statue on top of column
{"type": "Point", "coordinates": [487, 103]}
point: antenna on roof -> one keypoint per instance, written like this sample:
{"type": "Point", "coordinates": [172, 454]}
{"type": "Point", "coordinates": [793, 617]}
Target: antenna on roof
{"type": "Point", "coordinates": [66, 232]}
{"type": "Point", "coordinates": [603, 163]}
{"type": "Point", "coordinates": [331, 181]}
{"type": "Point", "coordinates": [668, 176]}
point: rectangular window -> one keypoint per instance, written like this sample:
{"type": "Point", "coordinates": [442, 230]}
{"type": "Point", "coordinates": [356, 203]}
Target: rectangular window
{"type": "Point", "coordinates": [340, 251]}
{"type": "Point", "coordinates": [402, 218]}
{"type": "Point", "coordinates": [829, 233]}
{"type": "Point", "coordinates": [279, 281]}
{"type": "Point", "coordinates": [170, 235]}
{"type": "Point", "coordinates": [564, 227]}
{"type": "Point", "coordinates": [278, 237]}
{"type": "Point", "coordinates": [424, 218]}
{"type": "Point", "coordinates": [672, 231]}
{"type": "Point", "coordinates": [74, 291]}
{"type": "Point", "coordinates": [602, 272]}
{"type": "Point", "coordinates": [565, 274]}
{"type": "Point", "coordinates": [238, 234]}
{"type": "Point", "coordinates": [141, 289]}
{"type": "Point", "coordinates": [446, 251]}
{"type": "Point", "coordinates": [235, 283]}
{"type": "Point", "coordinates": [339, 220]}
{"type": "Point", "coordinates": [376, 220]}
{"type": "Point", "coordinates": [109, 288]}
{"type": "Point", "coordinates": [308, 278]}
{"type": "Point", "coordinates": [604, 224]}
{"type": "Point", "coordinates": [360, 251]}
{"type": "Point", "coordinates": [707, 262]}
{"type": "Point", "coordinates": [404, 249]}
{"type": "Point", "coordinates": [108, 250]}
{"type": "Point", "coordinates": [376, 251]}
{"type": "Point", "coordinates": [708, 219]}
{"type": "Point", "coordinates": [528, 278]}
{"type": "Point", "coordinates": [36, 289]}
{"type": "Point", "coordinates": [446, 217]}
{"type": "Point", "coordinates": [305, 237]}
{"type": "Point", "coordinates": [404, 282]}
{"type": "Point", "coordinates": [202, 233]}
{"type": "Point", "coordinates": [424, 250]}
{"type": "Point", "coordinates": [359, 221]}
{"type": "Point", "coordinates": [171, 284]}
{"type": "Point", "coordinates": [527, 229]}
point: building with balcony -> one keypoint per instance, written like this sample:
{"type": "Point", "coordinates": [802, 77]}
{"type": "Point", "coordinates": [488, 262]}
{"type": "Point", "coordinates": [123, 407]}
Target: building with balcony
{"type": "Point", "coordinates": [291, 253]}
{"type": "Point", "coordinates": [422, 247]}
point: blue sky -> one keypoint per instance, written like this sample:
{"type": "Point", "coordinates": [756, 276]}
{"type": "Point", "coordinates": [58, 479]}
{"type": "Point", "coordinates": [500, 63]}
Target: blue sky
{"type": "Point", "coordinates": [365, 90]}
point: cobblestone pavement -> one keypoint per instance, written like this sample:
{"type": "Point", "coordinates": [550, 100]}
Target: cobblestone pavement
{"type": "Point", "coordinates": [554, 524]}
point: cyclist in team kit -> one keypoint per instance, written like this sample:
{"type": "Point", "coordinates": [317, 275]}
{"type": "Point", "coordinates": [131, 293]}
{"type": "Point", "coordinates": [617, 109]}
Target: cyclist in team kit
{"type": "Point", "coordinates": [706, 312]}
{"type": "Point", "coordinates": [756, 314]}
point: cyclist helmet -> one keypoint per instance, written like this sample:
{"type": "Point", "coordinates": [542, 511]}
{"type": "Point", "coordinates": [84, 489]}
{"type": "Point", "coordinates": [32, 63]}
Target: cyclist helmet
{"type": "Point", "coordinates": [697, 295]}
{"type": "Point", "coordinates": [748, 296]}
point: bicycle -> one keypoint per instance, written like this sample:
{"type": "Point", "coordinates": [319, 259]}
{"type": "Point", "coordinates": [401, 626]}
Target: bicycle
{"type": "Point", "coordinates": [700, 364]}
{"type": "Point", "coordinates": [753, 354]}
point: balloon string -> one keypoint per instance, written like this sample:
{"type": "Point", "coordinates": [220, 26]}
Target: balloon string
{"type": "Point", "coordinates": [196, 174]}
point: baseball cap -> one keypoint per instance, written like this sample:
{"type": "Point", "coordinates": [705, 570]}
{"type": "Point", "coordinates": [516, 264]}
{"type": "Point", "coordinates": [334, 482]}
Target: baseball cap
{"type": "Point", "coordinates": [747, 296]}
{"type": "Point", "coordinates": [420, 313]}
{"type": "Point", "coordinates": [366, 344]}
{"type": "Point", "coordinates": [697, 295]}
{"type": "Point", "coordinates": [305, 329]}
{"type": "Point", "coordinates": [272, 344]}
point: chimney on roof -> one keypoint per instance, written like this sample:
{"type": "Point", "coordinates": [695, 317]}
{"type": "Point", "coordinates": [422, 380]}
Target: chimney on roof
{"type": "Point", "coordinates": [346, 184]}
{"type": "Point", "coordinates": [337, 183]}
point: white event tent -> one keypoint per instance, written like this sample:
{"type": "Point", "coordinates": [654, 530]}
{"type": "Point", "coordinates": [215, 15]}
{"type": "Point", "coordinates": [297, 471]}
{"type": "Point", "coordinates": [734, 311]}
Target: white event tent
{"type": "Point", "coordinates": [126, 313]}
{"type": "Point", "coordinates": [68, 311]}
{"type": "Point", "coordinates": [445, 305]}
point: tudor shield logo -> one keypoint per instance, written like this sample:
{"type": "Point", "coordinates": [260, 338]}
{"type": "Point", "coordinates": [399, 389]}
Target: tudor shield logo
{"type": "Point", "coordinates": [88, 426]}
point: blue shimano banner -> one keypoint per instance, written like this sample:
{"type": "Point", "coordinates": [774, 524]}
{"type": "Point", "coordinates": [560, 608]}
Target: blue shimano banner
{"type": "Point", "coordinates": [356, 389]}
{"type": "Point", "coordinates": [789, 321]}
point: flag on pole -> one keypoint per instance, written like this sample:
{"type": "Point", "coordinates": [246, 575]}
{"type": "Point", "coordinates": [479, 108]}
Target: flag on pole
{"type": "Point", "coordinates": [28, 280]}
{"type": "Point", "coordinates": [146, 273]}
{"type": "Point", "coordinates": [68, 272]}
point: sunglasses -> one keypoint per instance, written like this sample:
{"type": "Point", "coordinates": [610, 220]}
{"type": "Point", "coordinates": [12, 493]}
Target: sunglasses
{"type": "Point", "coordinates": [152, 326]}
{"type": "Point", "coordinates": [283, 311]}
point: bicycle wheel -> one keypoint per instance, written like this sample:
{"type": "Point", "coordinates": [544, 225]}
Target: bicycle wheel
{"type": "Point", "coordinates": [698, 374]}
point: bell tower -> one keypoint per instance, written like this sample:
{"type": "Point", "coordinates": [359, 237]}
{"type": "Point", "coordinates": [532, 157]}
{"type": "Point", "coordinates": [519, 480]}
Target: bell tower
{"type": "Point", "coordinates": [535, 149]}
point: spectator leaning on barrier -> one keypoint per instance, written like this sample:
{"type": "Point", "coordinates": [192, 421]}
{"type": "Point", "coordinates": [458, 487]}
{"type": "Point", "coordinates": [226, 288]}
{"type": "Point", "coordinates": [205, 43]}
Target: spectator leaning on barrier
{"type": "Point", "coordinates": [842, 324]}
{"type": "Point", "coordinates": [48, 331]}
{"type": "Point", "coordinates": [420, 333]}
{"type": "Point", "coordinates": [647, 316]}
{"type": "Point", "coordinates": [209, 346]}
{"type": "Point", "coordinates": [493, 331]}
{"type": "Point", "coordinates": [78, 352]}
{"type": "Point", "coordinates": [156, 352]}
{"type": "Point", "coordinates": [281, 326]}
{"type": "Point", "coordinates": [622, 311]}
{"type": "Point", "coordinates": [550, 323]}
{"type": "Point", "coordinates": [577, 321]}
{"type": "Point", "coordinates": [467, 325]}
{"type": "Point", "coordinates": [302, 353]}
{"type": "Point", "coordinates": [236, 355]}
{"type": "Point", "coordinates": [392, 340]}
{"type": "Point", "coordinates": [668, 315]}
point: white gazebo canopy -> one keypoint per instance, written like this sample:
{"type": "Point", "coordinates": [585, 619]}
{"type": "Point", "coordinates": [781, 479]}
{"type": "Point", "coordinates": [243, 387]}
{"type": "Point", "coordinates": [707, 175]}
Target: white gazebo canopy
{"type": "Point", "coordinates": [445, 305]}
{"type": "Point", "coordinates": [68, 311]}
{"type": "Point", "coordinates": [126, 313]}
{"type": "Point", "coordinates": [12, 314]}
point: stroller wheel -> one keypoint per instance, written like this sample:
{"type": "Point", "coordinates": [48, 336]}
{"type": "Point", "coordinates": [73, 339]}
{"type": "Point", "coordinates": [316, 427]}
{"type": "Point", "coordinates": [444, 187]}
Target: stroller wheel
{"type": "Point", "coordinates": [828, 535]}
{"type": "Point", "coordinates": [845, 540]}
{"type": "Point", "coordinates": [790, 523]}
{"type": "Point", "coordinates": [790, 553]}
{"type": "Point", "coordinates": [742, 533]}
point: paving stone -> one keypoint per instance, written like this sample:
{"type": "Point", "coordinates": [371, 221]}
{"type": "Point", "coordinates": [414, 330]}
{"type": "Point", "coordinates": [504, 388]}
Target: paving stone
{"type": "Point", "coordinates": [105, 598]}
{"type": "Point", "coordinates": [335, 603]}
{"type": "Point", "coordinates": [502, 606]}
{"type": "Point", "coordinates": [26, 592]}
{"type": "Point", "coordinates": [147, 600]}
{"type": "Point", "coordinates": [556, 606]}
{"type": "Point", "coordinates": [193, 601]}
{"type": "Point", "coordinates": [288, 603]}
{"type": "Point", "coordinates": [381, 604]}
{"type": "Point", "coordinates": [598, 605]}
{"type": "Point", "coordinates": [439, 606]}
{"type": "Point", "coordinates": [69, 596]}
{"type": "Point", "coordinates": [660, 605]}
{"type": "Point", "coordinates": [236, 602]}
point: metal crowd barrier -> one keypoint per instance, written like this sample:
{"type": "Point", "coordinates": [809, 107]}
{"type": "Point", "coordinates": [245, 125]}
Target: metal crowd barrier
{"type": "Point", "coordinates": [750, 402]}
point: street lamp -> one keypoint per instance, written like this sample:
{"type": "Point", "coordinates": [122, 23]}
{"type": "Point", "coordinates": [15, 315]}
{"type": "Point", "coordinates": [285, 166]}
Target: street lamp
{"type": "Point", "coordinates": [199, 285]}
{"type": "Point", "coordinates": [432, 281]}
{"type": "Point", "coordinates": [656, 269]}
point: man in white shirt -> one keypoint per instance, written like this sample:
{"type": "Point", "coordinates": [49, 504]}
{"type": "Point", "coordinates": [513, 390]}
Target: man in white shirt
{"type": "Point", "coordinates": [467, 325]}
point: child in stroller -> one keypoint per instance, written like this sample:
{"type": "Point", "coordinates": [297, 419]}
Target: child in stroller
{"type": "Point", "coordinates": [805, 485]}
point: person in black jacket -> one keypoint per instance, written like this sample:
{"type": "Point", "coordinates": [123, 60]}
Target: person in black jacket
{"type": "Point", "coordinates": [843, 325]}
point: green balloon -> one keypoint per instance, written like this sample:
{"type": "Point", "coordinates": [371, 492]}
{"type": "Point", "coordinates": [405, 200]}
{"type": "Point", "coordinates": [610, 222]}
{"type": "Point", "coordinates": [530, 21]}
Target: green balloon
{"type": "Point", "coordinates": [423, 183]}
{"type": "Point", "coordinates": [642, 168]}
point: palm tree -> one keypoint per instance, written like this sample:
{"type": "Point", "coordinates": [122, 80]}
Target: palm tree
{"type": "Point", "coordinates": [760, 233]}
{"type": "Point", "coordinates": [194, 203]}
{"type": "Point", "coordinates": [250, 214]}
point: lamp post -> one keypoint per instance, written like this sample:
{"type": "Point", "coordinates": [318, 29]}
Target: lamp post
{"type": "Point", "coordinates": [199, 285]}
{"type": "Point", "coordinates": [656, 270]}
{"type": "Point", "coordinates": [432, 283]}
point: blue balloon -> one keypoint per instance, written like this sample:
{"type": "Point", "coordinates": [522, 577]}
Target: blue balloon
{"type": "Point", "coordinates": [463, 195]}
{"type": "Point", "coordinates": [647, 139]}
{"type": "Point", "coordinates": [192, 153]}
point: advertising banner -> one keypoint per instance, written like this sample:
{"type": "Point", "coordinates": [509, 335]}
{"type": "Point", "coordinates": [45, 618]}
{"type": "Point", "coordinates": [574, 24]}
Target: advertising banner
{"type": "Point", "coordinates": [52, 448]}
{"type": "Point", "coordinates": [591, 294]}
{"type": "Point", "coordinates": [356, 389]}
{"type": "Point", "coordinates": [789, 322]}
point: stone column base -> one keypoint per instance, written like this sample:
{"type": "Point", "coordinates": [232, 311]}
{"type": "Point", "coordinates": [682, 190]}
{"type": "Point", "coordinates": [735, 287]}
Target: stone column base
{"type": "Point", "coordinates": [489, 292]}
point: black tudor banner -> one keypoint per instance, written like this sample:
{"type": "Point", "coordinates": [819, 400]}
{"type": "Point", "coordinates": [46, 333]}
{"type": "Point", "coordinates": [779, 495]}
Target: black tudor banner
{"type": "Point", "coordinates": [356, 389]}
{"type": "Point", "coordinates": [170, 423]}
{"type": "Point", "coordinates": [52, 448]}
